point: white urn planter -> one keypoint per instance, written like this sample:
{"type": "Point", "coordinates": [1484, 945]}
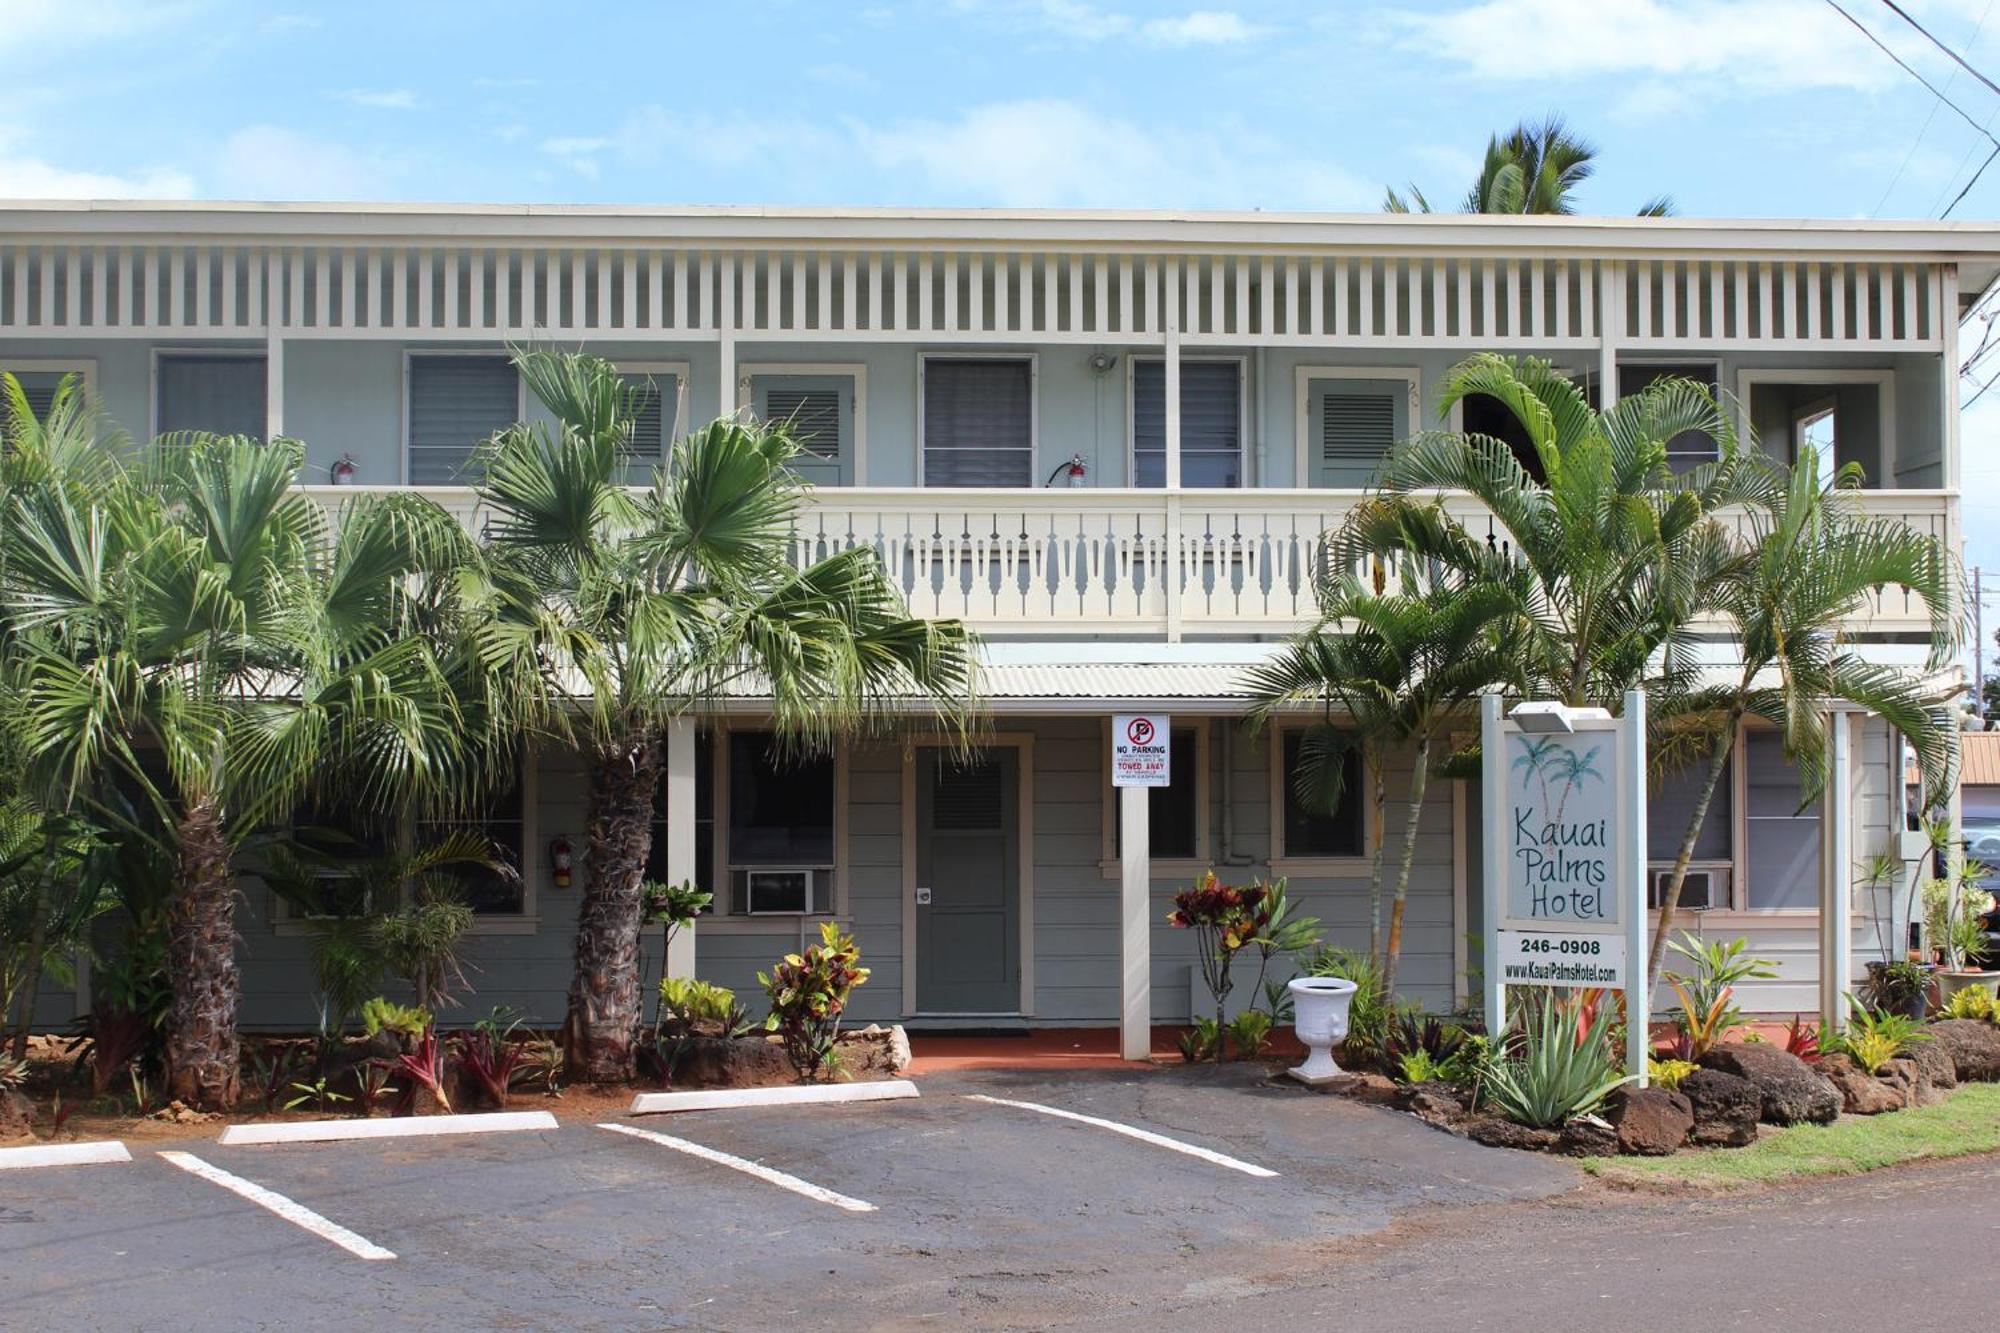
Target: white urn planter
{"type": "Point", "coordinates": [1319, 1016]}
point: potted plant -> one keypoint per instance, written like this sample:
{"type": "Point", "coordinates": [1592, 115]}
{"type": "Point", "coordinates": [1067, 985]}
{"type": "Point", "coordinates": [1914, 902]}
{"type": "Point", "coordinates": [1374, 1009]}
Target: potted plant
{"type": "Point", "coordinates": [1955, 909]}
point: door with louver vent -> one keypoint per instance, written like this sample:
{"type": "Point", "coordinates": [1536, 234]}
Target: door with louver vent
{"type": "Point", "coordinates": [655, 423]}
{"type": "Point", "coordinates": [819, 411]}
{"type": "Point", "coordinates": [1351, 426]}
{"type": "Point", "coordinates": [968, 933]}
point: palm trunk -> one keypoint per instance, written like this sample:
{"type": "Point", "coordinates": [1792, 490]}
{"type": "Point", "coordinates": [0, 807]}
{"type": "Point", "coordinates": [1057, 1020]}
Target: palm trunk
{"type": "Point", "coordinates": [38, 941]}
{"type": "Point", "coordinates": [1420, 781]}
{"type": "Point", "coordinates": [203, 1055]}
{"type": "Point", "coordinates": [1378, 817]}
{"type": "Point", "coordinates": [605, 1008]}
{"type": "Point", "coordinates": [1672, 898]}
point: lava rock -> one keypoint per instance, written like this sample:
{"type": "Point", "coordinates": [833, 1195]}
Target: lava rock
{"type": "Point", "coordinates": [1725, 1108]}
{"type": "Point", "coordinates": [1934, 1064]}
{"type": "Point", "coordinates": [1495, 1132]}
{"type": "Point", "coordinates": [1974, 1046]}
{"type": "Point", "coordinates": [1433, 1102]}
{"type": "Point", "coordinates": [1588, 1136]}
{"type": "Point", "coordinates": [1861, 1093]}
{"type": "Point", "coordinates": [17, 1115]}
{"type": "Point", "coordinates": [1375, 1089]}
{"type": "Point", "coordinates": [1792, 1092]}
{"type": "Point", "coordinates": [1650, 1122]}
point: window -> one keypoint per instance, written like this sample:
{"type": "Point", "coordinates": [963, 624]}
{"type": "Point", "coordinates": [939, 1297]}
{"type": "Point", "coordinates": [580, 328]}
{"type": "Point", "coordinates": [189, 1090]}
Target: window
{"type": "Point", "coordinates": [781, 817]}
{"type": "Point", "coordinates": [40, 380]}
{"type": "Point", "coordinates": [1211, 423]}
{"type": "Point", "coordinates": [1348, 419]}
{"type": "Point", "coordinates": [218, 392]}
{"type": "Point", "coordinates": [1174, 817]}
{"type": "Point", "coordinates": [704, 819]}
{"type": "Point", "coordinates": [503, 823]}
{"type": "Point", "coordinates": [1668, 808]}
{"type": "Point", "coordinates": [656, 415]}
{"type": "Point", "coordinates": [1690, 448]}
{"type": "Point", "coordinates": [1781, 840]}
{"type": "Point", "coordinates": [1846, 416]}
{"type": "Point", "coordinates": [334, 843]}
{"type": "Point", "coordinates": [979, 421]}
{"type": "Point", "coordinates": [1315, 833]}
{"type": "Point", "coordinates": [820, 407]}
{"type": "Point", "coordinates": [456, 404]}
{"type": "Point", "coordinates": [1483, 414]}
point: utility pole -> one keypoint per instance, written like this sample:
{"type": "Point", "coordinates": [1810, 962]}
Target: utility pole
{"type": "Point", "coordinates": [1978, 647]}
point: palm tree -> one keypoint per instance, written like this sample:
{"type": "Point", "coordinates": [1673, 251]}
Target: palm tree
{"type": "Point", "coordinates": [1431, 653]}
{"type": "Point", "coordinates": [1531, 169]}
{"type": "Point", "coordinates": [625, 609]}
{"type": "Point", "coordinates": [1813, 564]}
{"type": "Point", "coordinates": [189, 634]}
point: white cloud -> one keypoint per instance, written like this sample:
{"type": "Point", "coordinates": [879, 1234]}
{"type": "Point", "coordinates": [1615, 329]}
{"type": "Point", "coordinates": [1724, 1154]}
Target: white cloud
{"type": "Point", "coordinates": [381, 99]}
{"type": "Point", "coordinates": [23, 176]}
{"type": "Point", "coordinates": [578, 153]}
{"type": "Point", "coordinates": [1203, 27]}
{"type": "Point", "coordinates": [1084, 22]}
{"type": "Point", "coordinates": [268, 162]}
{"type": "Point", "coordinates": [47, 27]}
{"type": "Point", "coordinates": [1751, 45]}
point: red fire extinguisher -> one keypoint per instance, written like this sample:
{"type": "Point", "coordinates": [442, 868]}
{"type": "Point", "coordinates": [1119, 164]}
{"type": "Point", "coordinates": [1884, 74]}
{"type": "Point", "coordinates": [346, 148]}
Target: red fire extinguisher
{"type": "Point", "coordinates": [344, 470]}
{"type": "Point", "coordinates": [559, 862]}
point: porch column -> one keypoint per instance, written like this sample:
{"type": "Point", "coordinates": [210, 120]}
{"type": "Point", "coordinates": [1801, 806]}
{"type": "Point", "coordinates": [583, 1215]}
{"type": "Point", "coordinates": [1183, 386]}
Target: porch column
{"type": "Point", "coordinates": [725, 325]}
{"type": "Point", "coordinates": [274, 385]}
{"type": "Point", "coordinates": [1135, 933]}
{"type": "Point", "coordinates": [1836, 933]}
{"type": "Point", "coordinates": [1610, 324]}
{"type": "Point", "coordinates": [678, 776]}
{"type": "Point", "coordinates": [1173, 395]}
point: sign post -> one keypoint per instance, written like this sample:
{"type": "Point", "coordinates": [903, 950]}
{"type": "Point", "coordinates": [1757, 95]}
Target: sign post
{"type": "Point", "coordinates": [1564, 791]}
{"type": "Point", "coordinates": [1141, 754]}
{"type": "Point", "coordinates": [1141, 758]}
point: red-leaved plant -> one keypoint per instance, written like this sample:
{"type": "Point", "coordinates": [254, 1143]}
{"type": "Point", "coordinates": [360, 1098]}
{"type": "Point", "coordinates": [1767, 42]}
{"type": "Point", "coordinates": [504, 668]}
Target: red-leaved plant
{"type": "Point", "coordinates": [808, 993]}
{"type": "Point", "coordinates": [487, 1050]}
{"type": "Point", "coordinates": [1225, 919]}
{"type": "Point", "coordinates": [1802, 1040]}
{"type": "Point", "coordinates": [424, 1063]}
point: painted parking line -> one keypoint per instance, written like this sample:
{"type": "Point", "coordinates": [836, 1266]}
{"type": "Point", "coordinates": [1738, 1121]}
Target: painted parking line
{"type": "Point", "coordinates": [295, 1213]}
{"type": "Point", "coordinates": [749, 1168]}
{"type": "Point", "coordinates": [1132, 1132]}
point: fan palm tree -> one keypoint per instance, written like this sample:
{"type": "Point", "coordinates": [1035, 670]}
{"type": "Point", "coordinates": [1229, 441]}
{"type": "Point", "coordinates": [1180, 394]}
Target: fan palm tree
{"type": "Point", "coordinates": [1533, 168]}
{"type": "Point", "coordinates": [1604, 554]}
{"type": "Point", "coordinates": [626, 609]}
{"type": "Point", "coordinates": [1429, 656]}
{"type": "Point", "coordinates": [1814, 562]}
{"type": "Point", "coordinates": [190, 634]}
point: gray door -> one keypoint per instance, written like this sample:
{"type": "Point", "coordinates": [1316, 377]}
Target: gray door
{"type": "Point", "coordinates": [968, 932]}
{"type": "Point", "coordinates": [1352, 424]}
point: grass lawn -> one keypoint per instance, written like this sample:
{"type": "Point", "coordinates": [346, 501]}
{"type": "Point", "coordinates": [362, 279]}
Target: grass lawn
{"type": "Point", "coordinates": [1968, 1121]}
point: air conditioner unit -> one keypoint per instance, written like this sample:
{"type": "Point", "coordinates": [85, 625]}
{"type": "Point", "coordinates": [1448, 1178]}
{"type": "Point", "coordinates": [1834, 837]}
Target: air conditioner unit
{"type": "Point", "coordinates": [1704, 888]}
{"type": "Point", "coordinates": [785, 891]}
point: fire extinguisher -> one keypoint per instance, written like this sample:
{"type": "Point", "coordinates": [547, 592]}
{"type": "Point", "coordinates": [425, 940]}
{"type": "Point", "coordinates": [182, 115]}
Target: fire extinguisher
{"type": "Point", "coordinates": [1075, 473]}
{"type": "Point", "coordinates": [559, 862]}
{"type": "Point", "coordinates": [344, 470]}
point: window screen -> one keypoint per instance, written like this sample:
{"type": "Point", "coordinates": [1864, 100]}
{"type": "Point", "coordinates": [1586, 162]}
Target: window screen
{"type": "Point", "coordinates": [456, 405]}
{"type": "Point", "coordinates": [978, 422]}
{"type": "Point", "coordinates": [1669, 808]}
{"type": "Point", "coordinates": [39, 386]}
{"type": "Point", "coordinates": [1211, 423]}
{"type": "Point", "coordinates": [1782, 840]}
{"type": "Point", "coordinates": [1171, 811]}
{"type": "Point", "coordinates": [223, 395]}
{"type": "Point", "coordinates": [1312, 833]}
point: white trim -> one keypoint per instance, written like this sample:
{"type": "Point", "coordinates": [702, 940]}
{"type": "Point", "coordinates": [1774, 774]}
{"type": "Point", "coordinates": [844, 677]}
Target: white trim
{"type": "Point", "coordinates": [1461, 895]}
{"type": "Point", "coordinates": [1302, 378]}
{"type": "Point", "coordinates": [1244, 390]}
{"type": "Point", "coordinates": [810, 1094]}
{"type": "Point", "coordinates": [297, 1214]}
{"type": "Point", "coordinates": [1316, 867]}
{"type": "Point", "coordinates": [1034, 360]}
{"type": "Point", "coordinates": [748, 371]}
{"type": "Point", "coordinates": [399, 1127]}
{"type": "Point", "coordinates": [1023, 743]}
{"type": "Point", "coordinates": [84, 367]}
{"type": "Point", "coordinates": [1885, 404]}
{"type": "Point", "coordinates": [415, 353]}
{"type": "Point", "coordinates": [100, 1153]}
{"type": "Point", "coordinates": [1162, 867]}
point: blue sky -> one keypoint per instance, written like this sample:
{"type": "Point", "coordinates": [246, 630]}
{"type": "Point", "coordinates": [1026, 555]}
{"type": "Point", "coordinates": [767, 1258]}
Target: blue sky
{"type": "Point", "coordinates": [1732, 107]}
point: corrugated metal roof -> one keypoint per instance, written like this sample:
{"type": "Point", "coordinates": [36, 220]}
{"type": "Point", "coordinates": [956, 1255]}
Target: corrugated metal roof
{"type": "Point", "coordinates": [1979, 765]}
{"type": "Point", "coordinates": [1114, 680]}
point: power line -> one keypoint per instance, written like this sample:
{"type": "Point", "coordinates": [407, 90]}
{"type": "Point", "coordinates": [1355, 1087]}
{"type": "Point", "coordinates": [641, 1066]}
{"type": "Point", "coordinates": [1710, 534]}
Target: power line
{"type": "Point", "coordinates": [1963, 64]}
{"type": "Point", "coordinates": [1960, 196]}
{"type": "Point", "coordinates": [1929, 118]}
{"type": "Point", "coordinates": [1909, 69]}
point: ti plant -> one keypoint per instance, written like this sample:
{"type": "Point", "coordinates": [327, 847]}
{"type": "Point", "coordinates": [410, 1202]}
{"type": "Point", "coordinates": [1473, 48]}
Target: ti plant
{"type": "Point", "coordinates": [1707, 990]}
{"type": "Point", "coordinates": [809, 993]}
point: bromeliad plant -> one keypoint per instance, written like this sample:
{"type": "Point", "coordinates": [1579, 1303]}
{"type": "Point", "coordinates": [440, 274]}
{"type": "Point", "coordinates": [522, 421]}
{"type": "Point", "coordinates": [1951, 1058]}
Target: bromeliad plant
{"type": "Point", "coordinates": [809, 993]}
{"type": "Point", "coordinates": [1707, 990]}
{"type": "Point", "coordinates": [491, 1053]}
{"type": "Point", "coordinates": [1874, 1037]}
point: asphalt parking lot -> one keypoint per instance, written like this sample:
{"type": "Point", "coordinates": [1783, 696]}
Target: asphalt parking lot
{"type": "Point", "coordinates": [976, 1203]}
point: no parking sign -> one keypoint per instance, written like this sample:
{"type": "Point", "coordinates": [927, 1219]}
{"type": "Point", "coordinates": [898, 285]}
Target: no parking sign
{"type": "Point", "coordinates": [1140, 753]}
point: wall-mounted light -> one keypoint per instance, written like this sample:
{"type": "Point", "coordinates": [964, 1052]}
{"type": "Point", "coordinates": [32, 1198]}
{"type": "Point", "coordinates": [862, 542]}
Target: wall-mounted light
{"type": "Point", "coordinates": [1101, 363]}
{"type": "Point", "coordinates": [1544, 718]}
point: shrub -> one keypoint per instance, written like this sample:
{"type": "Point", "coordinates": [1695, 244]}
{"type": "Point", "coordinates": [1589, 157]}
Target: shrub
{"type": "Point", "coordinates": [1412, 1032]}
{"type": "Point", "coordinates": [1707, 991]}
{"type": "Point", "coordinates": [1251, 1033]}
{"type": "Point", "coordinates": [1899, 985]}
{"type": "Point", "coordinates": [1417, 1067]}
{"type": "Point", "coordinates": [1874, 1037]}
{"type": "Point", "coordinates": [1369, 1014]}
{"type": "Point", "coordinates": [1554, 1069]}
{"type": "Point", "coordinates": [1669, 1072]}
{"type": "Point", "coordinates": [1198, 1043]}
{"type": "Point", "coordinates": [808, 993]}
{"type": "Point", "coordinates": [1972, 1002]}
{"type": "Point", "coordinates": [686, 1000]}
{"type": "Point", "coordinates": [1226, 919]}
{"type": "Point", "coordinates": [406, 1022]}
{"type": "Point", "coordinates": [489, 1052]}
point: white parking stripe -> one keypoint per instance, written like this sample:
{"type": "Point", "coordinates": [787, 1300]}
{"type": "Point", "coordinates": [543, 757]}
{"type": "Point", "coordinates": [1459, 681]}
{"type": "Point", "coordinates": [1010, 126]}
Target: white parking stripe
{"type": "Point", "coordinates": [762, 1172]}
{"type": "Point", "coordinates": [1133, 1132]}
{"type": "Point", "coordinates": [295, 1213]}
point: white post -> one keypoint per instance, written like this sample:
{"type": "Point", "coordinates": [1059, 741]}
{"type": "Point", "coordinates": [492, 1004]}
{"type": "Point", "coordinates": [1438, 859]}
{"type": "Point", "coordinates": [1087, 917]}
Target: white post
{"type": "Point", "coordinates": [274, 385]}
{"type": "Point", "coordinates": [1135, 934]}
{"type": "Point", "coordinates": [1836, 934]}
{"type": "Point", "coordinates": [1610, 325]}
{"type": "Point", "coordinates": [725, 328]}
{"type": "Point", "coordinates": [1173, 394]}
{"type": "Point", "coordinates": [1493, 813]}
{"type": "Point", "coordinates": [678, 775]}
{"type": "Point", "coordinates": [1638, 985]}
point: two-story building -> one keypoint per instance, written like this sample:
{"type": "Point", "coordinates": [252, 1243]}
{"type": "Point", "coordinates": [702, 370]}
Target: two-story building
{"type": "Point", "coordinates": [1110, 442]}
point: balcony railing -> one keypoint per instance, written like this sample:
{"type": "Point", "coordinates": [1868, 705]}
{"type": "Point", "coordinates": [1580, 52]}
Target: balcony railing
{"type": "Point", "coordinates": [1141, 563]}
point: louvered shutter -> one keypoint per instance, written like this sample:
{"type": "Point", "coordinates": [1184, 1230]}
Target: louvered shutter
{"type": "Point", "coordinates": [655, 397]}
{"type": "Point", "coordinates": [1211, 423]}
{"type": "Point", "coordinates": [220, 394]}
{"type": "Point", "coordinates": [978, 423]}
{"type": "Point", "coordinates": [812, 416]}
{"type": "Point", "coordinates": [968, 796]}
{"type": "Point", "coordinates": [1354, 423]}
{"type": "Point", "coordinates": [456, 404]}
{"type": "Point", "coordinates": [39, 386]}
